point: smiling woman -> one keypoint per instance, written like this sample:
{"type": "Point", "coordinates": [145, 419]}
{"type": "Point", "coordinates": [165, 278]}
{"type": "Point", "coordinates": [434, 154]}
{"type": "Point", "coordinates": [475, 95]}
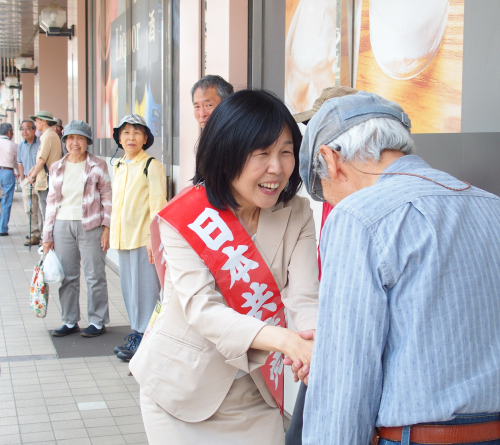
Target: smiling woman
{"type": "Point", "coordinates": [233, 251]}
{"type": "Point", "coordinates": [77, 227]}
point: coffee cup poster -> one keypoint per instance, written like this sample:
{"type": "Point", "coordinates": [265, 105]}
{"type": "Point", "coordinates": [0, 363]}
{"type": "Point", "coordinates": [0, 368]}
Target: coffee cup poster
{"type": "Point", "coordinates": [407, 51]}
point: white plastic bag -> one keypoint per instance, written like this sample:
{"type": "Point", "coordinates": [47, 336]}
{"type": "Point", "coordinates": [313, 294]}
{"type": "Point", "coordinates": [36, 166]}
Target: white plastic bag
{"type": "Point", "coordinates": [52, 268]}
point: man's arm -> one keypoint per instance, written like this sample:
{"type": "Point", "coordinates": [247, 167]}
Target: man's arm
{"type": "Point", "coordinates": [35, 170]}
{"type": "Point", "coordinates": [345, 382]}
{"type": "Point", "coordinates": [21, 170]}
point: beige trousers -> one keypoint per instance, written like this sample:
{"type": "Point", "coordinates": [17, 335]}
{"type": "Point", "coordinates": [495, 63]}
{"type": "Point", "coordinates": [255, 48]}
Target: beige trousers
{"type": "Point", "coordinates": [35, 222]}
{"type": "Point", "coordinates": [244, 418]}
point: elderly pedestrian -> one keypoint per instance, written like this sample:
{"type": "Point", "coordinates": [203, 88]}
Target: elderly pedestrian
{"type": "Point", "coordinates": [232, 252]}
{"type": "Point", "coordinates": [49, 152]}
{"type": "Point", "coordinates": [407, 343]}
{"type": "Point", "coordinates": [77, 228]}
{"type": "Point", "coordinates": [26, 160]}
{"type": "Point", "coordinates": [59, 129]}
{"type": "Point", "coordinates": [8, 155]}
{"type": "Point", "coordinates": [139, 193]}
{"type": "Point", "coordinates": [207, 94]}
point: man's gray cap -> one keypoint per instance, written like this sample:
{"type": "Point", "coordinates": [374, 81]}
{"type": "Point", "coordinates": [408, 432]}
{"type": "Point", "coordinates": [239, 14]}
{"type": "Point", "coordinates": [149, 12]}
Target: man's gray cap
{"type": "Point", "coordinates": [133, 119]}
{"type": "Point", "coordinates": [78, 127]}
{"type": "Point", "coordinates": [58, 122]}
{"type": "Point", "coordinates": [334, 118]}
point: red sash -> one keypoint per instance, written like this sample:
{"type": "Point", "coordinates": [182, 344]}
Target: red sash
{"type": "Point", "coordinates": [241, 273]}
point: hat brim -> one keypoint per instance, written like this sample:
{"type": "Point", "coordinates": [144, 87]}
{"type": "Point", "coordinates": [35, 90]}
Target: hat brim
{"type": "Point", "coordinates": [149, 142]}
{"type": "Point", "coordinates": [304, 116]}
{"type": "Point", "coordinates": [79, 132]}
{"type": "Point", "coordinates": [45, 118]}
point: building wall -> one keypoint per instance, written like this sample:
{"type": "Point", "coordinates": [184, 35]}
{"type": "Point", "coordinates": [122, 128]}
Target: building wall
{"type": "Point", "coordinates": [52, 78]}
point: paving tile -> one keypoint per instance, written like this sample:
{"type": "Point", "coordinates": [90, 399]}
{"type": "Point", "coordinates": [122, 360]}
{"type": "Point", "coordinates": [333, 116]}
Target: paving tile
{"type": "Point", "coordinates": [76, 433]}
{"type": "Point", "coordinates": [50, 401]}
{"type": "Point", "coordinates": [24, 403]}
{"type": "Point", "coordinates": [11, 439]}
{"type": "Point", "coordinates": [139, 438]}
{"type": "Point", "coordinates": [8, 412]}
{"type": "Point", "coordinates": [94, 405]}
{"type": "Point", "coordinates": [68, 424]}
{"type": "Point", "coordinates": [108, 440]}
{"type": "Point", "coordinates": [132, 429]}
{"type": "Point", "coordinates": [125, 403]}
{"type": "Point", "coordinates": [128, 420]}
{"type": "Point", "coordinates": [28, 395]}
{"type": "Point", "coordinates": [33, 418]}
{"type": "Point", "coordinates": [37, 437]}
{"type": "Point", "coordinates": [57, 393]}
{"type": "Point", "coordinates": [71, 415]}
{"type": "Point", "coordinates": [13, 429]}
{"type": "Point", "coordinates": [103, 431]}
{"type": "Point", "coordinates": [101, 413]}
{"type": "Point", "coordinates": [62, 408]}
{"type": "Point", "coordinates": [79, 441]}
{"type": "Point", "coordinates": [6, 421]}
{"type": "Point", "coordinates": [129, 411]}
{"type": "Point", "coordinates": [35, 427]}
{"type": "Point", "coordinates": [85, 391]}
{"type": "Point", "coordinates": [99, 422]}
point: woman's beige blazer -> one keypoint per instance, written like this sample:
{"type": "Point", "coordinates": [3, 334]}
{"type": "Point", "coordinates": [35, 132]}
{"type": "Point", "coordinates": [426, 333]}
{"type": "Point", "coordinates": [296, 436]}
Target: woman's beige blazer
{"type": "Point", "coordinates": [189, 361]}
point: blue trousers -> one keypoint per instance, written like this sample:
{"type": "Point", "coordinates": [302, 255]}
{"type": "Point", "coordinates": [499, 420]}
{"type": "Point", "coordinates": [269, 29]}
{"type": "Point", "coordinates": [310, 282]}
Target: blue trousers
{"type": "Point", "coordinates": [8, 182]}
{"type": "Point", "coordinates": [459, 420]}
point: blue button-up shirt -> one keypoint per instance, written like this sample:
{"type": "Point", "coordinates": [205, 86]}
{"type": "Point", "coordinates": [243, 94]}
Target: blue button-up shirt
{"type": "Point", "coordinates": [408, 325]}
{"type": "Point", "coordinates": [26, 154]}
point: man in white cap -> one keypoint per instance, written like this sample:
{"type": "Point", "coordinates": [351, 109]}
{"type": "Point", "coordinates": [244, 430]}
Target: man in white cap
{"type": "Point", "coordinates": [407, 345]}
{"type": "Point", "coordinates": [49, 152]}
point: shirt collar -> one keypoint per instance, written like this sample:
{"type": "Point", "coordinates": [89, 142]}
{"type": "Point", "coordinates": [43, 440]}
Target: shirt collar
{"type": "Point", "coordinates": [4, 137]}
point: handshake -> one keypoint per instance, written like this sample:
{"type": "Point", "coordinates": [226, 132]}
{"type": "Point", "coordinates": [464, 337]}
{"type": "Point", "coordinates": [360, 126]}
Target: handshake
{"type": "Point", "coordinates": [299, 369]}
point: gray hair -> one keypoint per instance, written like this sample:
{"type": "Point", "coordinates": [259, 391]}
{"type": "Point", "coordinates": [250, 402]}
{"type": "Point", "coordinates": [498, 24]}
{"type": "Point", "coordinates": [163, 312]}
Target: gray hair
{"type": "Point", "coordinates": [224, 89]}
{"type": "Point", "coordinates": [32, 124]}
{"type": "Point", "coordinates": [5, 128]}
{"type": "Point", "coordinates": [367, 140]}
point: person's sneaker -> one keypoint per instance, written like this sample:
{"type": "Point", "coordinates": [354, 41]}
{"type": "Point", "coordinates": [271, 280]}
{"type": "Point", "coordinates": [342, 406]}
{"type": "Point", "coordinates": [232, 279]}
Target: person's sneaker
{"type": "Point", "coordinates": [34, 241]}
{"type": "Point", "coordinates": [130, 339]}
{"type": "Point", "coordinates": [4, 234]}
{"type": "Point", "coordinates": [127, 354]}
{"type": "Point", "coordinates": [92, 331]}
{"type": "Point", "coordinates": [64, 330]}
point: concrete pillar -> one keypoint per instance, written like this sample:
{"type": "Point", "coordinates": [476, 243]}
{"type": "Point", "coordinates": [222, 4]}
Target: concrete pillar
{"type": "Point", "coordinates": [189, 74]}
{"type": "Point", "coordinates": [227, 41]}
{"type": "Point", "coordinates": [27, 100]}
{"type": "Point", "coordinates": [77, 79]}
{"type": "Point", "coordinates": [51, 82]}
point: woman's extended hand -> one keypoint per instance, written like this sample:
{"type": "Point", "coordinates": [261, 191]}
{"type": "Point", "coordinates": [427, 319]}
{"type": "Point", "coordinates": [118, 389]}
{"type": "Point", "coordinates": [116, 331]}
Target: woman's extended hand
{"type": "Point", "coordinates": [47, 246]}
{"type": "Point", "coordinates": [150, 251]}
{"type": "Point", "coordinates": [299, 369]}
{"type": "Point", "coordinates": [290, 343]}
{"type": "Point", "coordinates": [105, 238]}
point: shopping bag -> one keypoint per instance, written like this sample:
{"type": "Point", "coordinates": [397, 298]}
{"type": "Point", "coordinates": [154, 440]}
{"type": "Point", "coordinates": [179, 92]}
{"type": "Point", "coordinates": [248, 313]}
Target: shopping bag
{"type": "Point", "coordinates": [52, 269]}
{"type": "Point", "coordinates": [39, 291]}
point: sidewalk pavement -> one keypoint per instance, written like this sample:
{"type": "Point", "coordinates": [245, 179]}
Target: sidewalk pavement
{"type": "Point", "coordinates": [45, 399]}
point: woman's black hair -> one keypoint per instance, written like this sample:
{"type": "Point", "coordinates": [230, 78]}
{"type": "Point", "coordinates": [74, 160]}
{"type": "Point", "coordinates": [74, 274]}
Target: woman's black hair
{"type": "Point", "coordinates": [244, 122]}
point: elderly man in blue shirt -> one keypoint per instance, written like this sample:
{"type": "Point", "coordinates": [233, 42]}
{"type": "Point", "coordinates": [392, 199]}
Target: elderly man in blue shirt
{"type": "Point", "coordinates": [408, 341]}
{"type": "Point", "coordinates": [26, 159]}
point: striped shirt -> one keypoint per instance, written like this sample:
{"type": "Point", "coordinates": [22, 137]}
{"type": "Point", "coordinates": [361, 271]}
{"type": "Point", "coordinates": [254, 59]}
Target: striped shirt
{"type": "Point", "coordinates": [96, 202]}
{"type": "Point", "coordinates": [409, 308]}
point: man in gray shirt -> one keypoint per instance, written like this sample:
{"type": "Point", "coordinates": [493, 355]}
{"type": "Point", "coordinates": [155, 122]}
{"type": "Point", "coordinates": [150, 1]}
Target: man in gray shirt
{"type": "Point", "coordinates": [26, 159]}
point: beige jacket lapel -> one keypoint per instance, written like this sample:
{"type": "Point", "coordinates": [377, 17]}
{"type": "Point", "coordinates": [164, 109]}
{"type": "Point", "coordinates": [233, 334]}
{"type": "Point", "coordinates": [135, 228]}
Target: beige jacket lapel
{"type": "Point", "coordinates": [271, 229]}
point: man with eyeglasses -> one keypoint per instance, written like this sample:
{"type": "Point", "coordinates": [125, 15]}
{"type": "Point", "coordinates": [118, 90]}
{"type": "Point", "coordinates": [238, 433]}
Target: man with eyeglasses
{"type": "Point", "coordinates": [26, 160]}
{"type": "Point", "coordinates": [407, 347]}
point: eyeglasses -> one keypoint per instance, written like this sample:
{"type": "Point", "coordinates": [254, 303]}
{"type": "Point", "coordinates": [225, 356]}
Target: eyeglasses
{"type": "Point", "coordinates": [317, 188]}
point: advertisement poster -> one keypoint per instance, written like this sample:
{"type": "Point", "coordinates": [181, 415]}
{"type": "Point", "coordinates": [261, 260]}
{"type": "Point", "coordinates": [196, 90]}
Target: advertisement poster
{"type": "Point", "coordinates": [312, 58]}
{"type": "Point", "coordinates": [133, 63]}
{"type": "Point", "coordinates": [412, 53]}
